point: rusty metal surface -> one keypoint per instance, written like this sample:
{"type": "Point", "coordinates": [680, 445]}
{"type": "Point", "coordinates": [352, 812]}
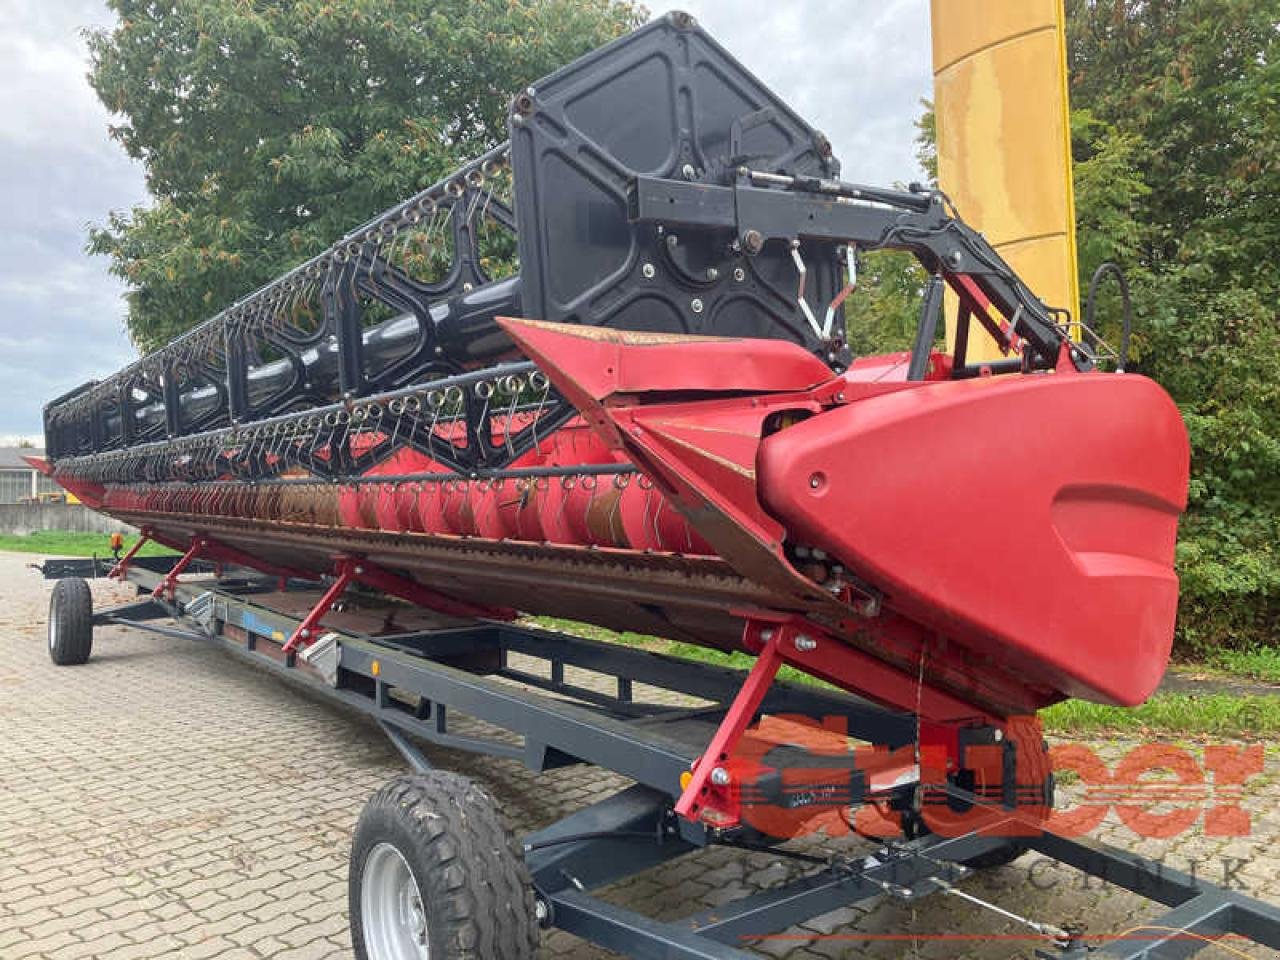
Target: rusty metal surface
{"type": "Point", "coordinates": [684, 598]}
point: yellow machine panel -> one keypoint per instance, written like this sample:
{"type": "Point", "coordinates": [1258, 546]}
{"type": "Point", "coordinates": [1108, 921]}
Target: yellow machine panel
{"type": "Point", "coordinates": [1004, 144]}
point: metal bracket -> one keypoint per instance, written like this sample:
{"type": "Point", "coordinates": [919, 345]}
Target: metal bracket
{"type": "Point", "coordinates": [201, 611]}
{"type": "Point", "coordinates": [348, 570]}
{"type": "Point", "coordinates": [165, 588]}
{"type": "Point", "coordinates": [325, 655]}
{"type": "Point", "coordinates": [708, 772]}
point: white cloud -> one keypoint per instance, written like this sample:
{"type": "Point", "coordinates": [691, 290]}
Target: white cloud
{"type": "Point", "coordinates": [61, 313]}
{"type": "Point", "coordinates": [855, 69]}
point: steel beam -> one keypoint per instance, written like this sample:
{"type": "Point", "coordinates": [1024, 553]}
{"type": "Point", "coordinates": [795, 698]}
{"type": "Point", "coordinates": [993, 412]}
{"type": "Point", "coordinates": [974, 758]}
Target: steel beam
{"type": "Point", "coordinates": [616, 838]}
{"type": "Point", "coordinates": [632, 934]}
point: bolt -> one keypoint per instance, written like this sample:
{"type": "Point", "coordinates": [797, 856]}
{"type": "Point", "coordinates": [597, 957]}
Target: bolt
{"type": "Point", "coordinates": [713, 273]}
{"type": "Point", "coordinates": [720, 777]}
{"type": "Point", "coordinates": [648, 271]}
{"type": "Point", "coordinates": [688, 172]}
{"type": "Point", "coordinates": [696, 305]}
{"type": "Point", "coordinates": [672, 240]}
{"type": "Point", "coordinates": [304, 632]}
{"type": "Point", "coordinates": [767, 634]}
{"type": "Point", "coordinates": [541, 910]}
{"type": "Point", "coordinates": [359, 571]}
{"type": "Point", "coordinates": [815, 481]}
{"type": "Point", "coordinates": [739, 274]}
{"type": "Point", "coordinates": [752, 241]}
{"type": "Point", "coordinates": [997, 735]}
{"type": "Point", "coordinates": [805, 643]}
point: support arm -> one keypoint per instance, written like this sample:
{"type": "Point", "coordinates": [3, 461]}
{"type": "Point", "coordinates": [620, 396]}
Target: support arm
{"type": "Point", "coordinates": [832, 211]}
{"type": "Point", "coordinates": [122, 565]}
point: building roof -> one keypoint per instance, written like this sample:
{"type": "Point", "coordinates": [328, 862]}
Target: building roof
{"type": "Point", "coordinates": [11, 457]}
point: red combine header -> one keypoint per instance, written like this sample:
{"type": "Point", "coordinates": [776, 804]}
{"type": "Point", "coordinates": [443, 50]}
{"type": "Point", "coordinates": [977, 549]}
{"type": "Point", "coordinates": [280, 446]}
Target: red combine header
{"type": "Point", "coordinates": [602, 374]}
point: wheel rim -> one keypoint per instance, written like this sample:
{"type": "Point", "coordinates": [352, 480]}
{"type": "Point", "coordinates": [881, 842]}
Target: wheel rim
{"type": "Point", "coordinates": [392, 916]}
{"type": "Point", "coordinates": [53, 630]}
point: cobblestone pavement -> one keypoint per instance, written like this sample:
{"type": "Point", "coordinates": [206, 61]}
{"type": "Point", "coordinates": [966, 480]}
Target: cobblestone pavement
{"type": "Point", "coordinates": [165, 800]}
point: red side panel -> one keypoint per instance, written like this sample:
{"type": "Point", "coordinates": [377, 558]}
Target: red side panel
{"type": "Point", "coordinates": [1031, 517]}
{"type": "Point", "coordinates": [599, 362]}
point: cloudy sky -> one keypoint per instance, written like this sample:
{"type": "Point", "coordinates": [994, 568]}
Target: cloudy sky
{"type": "Point", "coordinates": [853, 68]}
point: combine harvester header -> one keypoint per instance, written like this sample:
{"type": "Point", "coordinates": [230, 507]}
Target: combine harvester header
{"type": "Point", "coordinates": [601, 373]}
{"type": "Point", "coordinates": [642, 475]}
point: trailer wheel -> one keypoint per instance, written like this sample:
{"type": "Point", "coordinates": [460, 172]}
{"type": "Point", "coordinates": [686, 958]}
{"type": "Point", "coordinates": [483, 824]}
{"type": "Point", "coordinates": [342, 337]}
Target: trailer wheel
{"type": "Point", "coordinates": [435, 875]}
{"type": "Point", "coordinates": [1027, 736]}
{"type": "Point", "coordinates": [70, 622]}
{"type": "Point", "coordinates": [1001, 856]}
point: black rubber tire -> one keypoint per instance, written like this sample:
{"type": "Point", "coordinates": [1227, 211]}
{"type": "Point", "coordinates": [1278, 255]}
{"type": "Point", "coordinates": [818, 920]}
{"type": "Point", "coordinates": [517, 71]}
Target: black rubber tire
{"type": "Point", "coordinates": [475, 891]}
{"type": "Point", "coordinates": [70, 622]}
{"type": "Point", "coordinates": [1001, 856]}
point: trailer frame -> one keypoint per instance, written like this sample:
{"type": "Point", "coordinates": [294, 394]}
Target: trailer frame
{"type": "Point", "coordinates": [463, 667]}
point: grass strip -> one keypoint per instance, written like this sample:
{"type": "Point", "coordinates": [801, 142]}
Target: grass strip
{"type": "Point", "coordinates": [63, 543]}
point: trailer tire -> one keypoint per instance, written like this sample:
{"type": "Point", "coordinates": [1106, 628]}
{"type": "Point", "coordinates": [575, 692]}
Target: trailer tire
{"type": "Point", "coordinates": [70, 622]}
{"type": "Point", "coordinates": [432, 861]}
{"type": "Point", "coordinates": [1001, 856]}
{"type": "Point", "coordinates": [1027, 736]}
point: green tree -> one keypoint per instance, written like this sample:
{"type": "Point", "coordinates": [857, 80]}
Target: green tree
{"type": "Point", "coordinates": [882, 315]}
{"type": "Point", "coordinates": [1176, 136]}
{"type": "Point", "coordinates": [268, 129]}
{"type": "Point", "coordinates": [1177, 140]}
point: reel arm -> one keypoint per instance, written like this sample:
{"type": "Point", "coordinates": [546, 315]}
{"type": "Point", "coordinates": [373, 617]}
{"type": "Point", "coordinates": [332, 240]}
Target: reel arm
{"type": "Point", "coordinates": [798, 209]}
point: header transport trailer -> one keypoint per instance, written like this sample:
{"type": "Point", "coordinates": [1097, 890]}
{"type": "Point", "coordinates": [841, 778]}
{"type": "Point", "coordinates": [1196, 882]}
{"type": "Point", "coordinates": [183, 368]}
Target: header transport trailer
{"type": "Point", "coordinates": [373, 466]}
